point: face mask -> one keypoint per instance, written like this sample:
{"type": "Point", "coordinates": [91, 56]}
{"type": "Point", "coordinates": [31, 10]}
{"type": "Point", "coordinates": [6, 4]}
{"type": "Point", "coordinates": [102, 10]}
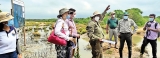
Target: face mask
{"type": "Point", "coordinates": [125, 17]}
{"type": "Point", "coordinates": [74, 15]}
{"type": "Point", "coordinates": [68, 17]}
{"type": "Point", "coordinates": [96, 18]}
{"type": "Point", "coordinates": [113, 15]}
{"type": "Point", "coordinates": [10, 23]}
{"type": "Point", "coordinates": [151, 19]}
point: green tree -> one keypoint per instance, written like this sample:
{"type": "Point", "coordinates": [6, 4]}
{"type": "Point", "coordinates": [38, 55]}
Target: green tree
{"type": "Point", "coordinates": [119, 13]}
{"type": "Point", "coordinates": [135, 14]}
{"type": "Point", "coordinates": [158, 17]}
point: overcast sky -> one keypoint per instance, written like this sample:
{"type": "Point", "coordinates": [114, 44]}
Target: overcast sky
{"type": "Point", "coordinates": [40, 9]}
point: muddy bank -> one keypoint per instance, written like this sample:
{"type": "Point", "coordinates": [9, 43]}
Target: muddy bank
{"type": "Point", "coordinates": [38, 47]}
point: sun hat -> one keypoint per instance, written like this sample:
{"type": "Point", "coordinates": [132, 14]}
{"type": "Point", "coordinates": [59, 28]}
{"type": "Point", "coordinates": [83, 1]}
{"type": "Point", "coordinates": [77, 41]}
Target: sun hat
{"type": "Point", "coordinates": [113, 12]}
{"type": "Point", "coordinates": [96, 13]}
{"type": "Point", "coordinates": [63, 10]}
{"type": "Point", "coordinates": [5, 16]}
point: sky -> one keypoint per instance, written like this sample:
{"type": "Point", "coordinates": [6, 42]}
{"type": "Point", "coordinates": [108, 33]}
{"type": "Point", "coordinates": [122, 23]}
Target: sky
{"type": "Point", "coordinates": [46, 9]}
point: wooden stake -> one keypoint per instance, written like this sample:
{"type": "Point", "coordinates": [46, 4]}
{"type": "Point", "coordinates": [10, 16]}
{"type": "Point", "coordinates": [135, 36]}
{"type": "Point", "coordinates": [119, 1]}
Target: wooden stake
{"type": "Point", "coordinates": [24, 36]}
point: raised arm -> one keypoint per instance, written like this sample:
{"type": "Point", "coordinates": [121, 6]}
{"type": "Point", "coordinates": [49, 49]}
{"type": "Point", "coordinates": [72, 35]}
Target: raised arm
{"type": "Point", "coordinates": [104, 12]}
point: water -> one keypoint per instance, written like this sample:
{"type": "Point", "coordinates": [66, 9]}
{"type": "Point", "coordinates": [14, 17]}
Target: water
{"type": "Point", "coordinates": [38, 47]}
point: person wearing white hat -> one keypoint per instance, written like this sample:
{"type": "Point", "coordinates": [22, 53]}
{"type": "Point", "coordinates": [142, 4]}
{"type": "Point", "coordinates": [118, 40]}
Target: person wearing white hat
{"type": "Point", "coordinates": [8, 37]}
{"type": "Point", "coordinates": [95, 33]}
{"type": "Point", "coordinates": [59, 26]}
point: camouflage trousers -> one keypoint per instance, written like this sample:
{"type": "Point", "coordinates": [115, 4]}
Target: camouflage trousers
{"type": "Point", "coordinates": [96, 48]}
{"type": "Point", "coordinates": [61, 51]}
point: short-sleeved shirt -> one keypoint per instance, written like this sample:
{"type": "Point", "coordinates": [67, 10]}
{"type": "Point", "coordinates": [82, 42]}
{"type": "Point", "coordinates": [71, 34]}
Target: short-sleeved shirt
{"type": "Point", "coordinates": [112, 23]}
{"type": "Point", "coordinates": [8, 41]}
{"type": "Point", "coordinates": [153, 35]}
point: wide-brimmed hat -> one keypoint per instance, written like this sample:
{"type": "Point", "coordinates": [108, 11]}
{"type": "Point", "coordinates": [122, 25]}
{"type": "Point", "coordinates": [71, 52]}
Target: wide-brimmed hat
{"type": "Point", "coordinates": [112, 12]}
{"type": "Point", "coordinates": [63, 10]}
{"type": "Point", "coordinates": [5, 16]}
{"type": "Point", "coordinates": [96, 13]}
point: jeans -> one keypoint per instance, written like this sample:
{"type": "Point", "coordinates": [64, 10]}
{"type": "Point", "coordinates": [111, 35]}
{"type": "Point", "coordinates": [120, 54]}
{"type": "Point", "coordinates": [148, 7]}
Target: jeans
{"type": "Point", "coordinates": [9, 55]}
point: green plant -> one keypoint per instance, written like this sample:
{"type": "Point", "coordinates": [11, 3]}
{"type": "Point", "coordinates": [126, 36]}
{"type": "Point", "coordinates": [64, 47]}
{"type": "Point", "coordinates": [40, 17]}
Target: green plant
{"type": "Point", "coordinates": [109, 51]}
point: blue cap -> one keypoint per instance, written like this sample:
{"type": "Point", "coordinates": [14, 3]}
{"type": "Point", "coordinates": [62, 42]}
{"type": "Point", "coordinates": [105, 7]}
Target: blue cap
{"type": "Point", "coordinates": [126, 13]}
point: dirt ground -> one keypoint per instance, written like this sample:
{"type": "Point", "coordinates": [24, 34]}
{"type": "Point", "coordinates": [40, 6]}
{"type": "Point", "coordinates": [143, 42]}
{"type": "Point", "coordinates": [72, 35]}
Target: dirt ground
{"type": "Point", "coordinates": [114, 53]}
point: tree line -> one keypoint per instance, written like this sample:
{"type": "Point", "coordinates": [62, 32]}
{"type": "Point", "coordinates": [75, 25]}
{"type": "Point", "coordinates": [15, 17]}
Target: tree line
{"type": "Point", "coordinates": [134, 13]}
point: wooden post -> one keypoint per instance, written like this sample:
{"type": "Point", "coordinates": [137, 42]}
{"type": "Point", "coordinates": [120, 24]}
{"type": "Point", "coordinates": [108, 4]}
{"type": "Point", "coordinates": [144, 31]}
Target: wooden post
{"type": "Point", "coordinates": [24, 36]}
{"type": "Point", "coordinates": [12, 8]}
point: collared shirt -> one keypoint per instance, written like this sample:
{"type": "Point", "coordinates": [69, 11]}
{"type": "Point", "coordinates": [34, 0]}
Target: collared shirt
{"type": "Point", "coordinates": [73, 26]}
{"type": "Point", "coordinates": [94, 30]}
{"type": "Point", "coordinates": [153, 35]}
{"type": "Point", "coordinates": [124, 26]}
{"type": "Point", "coordinates": [112, 22]}
{"type": "Point", "coordinates": [58, 29]}
{"type": "Point", "coordinates": [8, 41]}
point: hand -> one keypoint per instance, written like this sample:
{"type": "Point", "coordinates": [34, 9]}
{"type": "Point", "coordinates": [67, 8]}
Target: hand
{"type": "Point", "coordinates": [144, 28]}
{"type": "Point", "coordinates": [78, 36]}
{"type": "Point", "coordinates": [119, 35]}
{"type": "Point", "coordinates": [19, 56]}
{"type": "Point", "coordinates": [148, 28]}
{"type": "Point", "coordinates": [100, 39]}
{"type": "Point", "coordinates": [71, 39]}
{"type": "Point", "coordinates": [107, 31]}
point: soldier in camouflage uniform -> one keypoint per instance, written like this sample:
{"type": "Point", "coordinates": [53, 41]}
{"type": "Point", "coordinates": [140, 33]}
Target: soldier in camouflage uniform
{"type": "Point", "coordinates": [95, 33]}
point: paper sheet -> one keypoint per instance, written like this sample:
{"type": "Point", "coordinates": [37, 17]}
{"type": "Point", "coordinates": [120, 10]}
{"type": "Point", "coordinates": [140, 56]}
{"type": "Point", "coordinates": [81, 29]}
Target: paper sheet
{"type": "Point", "coordinates": [108, 41]}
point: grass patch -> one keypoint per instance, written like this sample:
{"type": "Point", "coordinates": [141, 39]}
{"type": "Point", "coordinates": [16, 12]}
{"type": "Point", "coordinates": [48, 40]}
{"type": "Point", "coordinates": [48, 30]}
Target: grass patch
{"type": "Point", "coordinates": [136, 39]}
{"type": "Point", "coordinates": [159, 39]}
{"type": "Point", "coordinates": [109, 51]}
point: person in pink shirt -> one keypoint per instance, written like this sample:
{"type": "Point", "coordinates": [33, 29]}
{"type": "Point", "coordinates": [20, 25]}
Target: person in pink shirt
{"type": "Point", "coordinates": [152, 29]}
{"type": "Point", "coordinates": [73, 32]}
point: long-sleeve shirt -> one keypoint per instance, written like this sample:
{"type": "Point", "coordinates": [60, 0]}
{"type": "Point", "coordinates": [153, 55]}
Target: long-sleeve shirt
{"type": "Point", "coordinates": [59, 26]}
{"type": "Point", "coordinates": [73, 27]}
{"type": "Point", "coordinates": [94, 30]}
{"type": "Point", "coordinates": [103, 15]}
{"type": "Point", "coordinates": [124, 26]}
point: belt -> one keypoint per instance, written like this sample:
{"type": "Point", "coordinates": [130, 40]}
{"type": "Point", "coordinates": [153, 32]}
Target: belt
{"type": "Point", "coordinates": [126, 33]}
{"type": "Point", "coordinates": [112, 28]}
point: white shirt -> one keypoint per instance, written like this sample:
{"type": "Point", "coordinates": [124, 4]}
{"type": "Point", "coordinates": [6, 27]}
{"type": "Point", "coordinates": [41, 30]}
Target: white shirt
{"type": "Point", "coordinates": [7, 42]}
{"type": "Point", "coordinates": [58, 28]}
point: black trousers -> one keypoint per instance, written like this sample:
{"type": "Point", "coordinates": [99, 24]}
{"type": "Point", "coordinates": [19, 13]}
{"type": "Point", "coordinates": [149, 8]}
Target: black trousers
{"type": "Point", "coordinates": [153, 44]}
{"type": "Point", "coordinates": [128, 38]}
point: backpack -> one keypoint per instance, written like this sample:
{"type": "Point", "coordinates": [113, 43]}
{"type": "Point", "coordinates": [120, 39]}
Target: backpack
{"type": "Point", "coordinates": [156, 28]}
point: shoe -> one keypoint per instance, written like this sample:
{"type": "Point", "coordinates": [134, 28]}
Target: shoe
{"type": "Point", "coordinates": [141, 56]}
{"type": "Point", "coordinates": [109, 47]}
{"type": "Point", "coordinates": [115, 47]}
